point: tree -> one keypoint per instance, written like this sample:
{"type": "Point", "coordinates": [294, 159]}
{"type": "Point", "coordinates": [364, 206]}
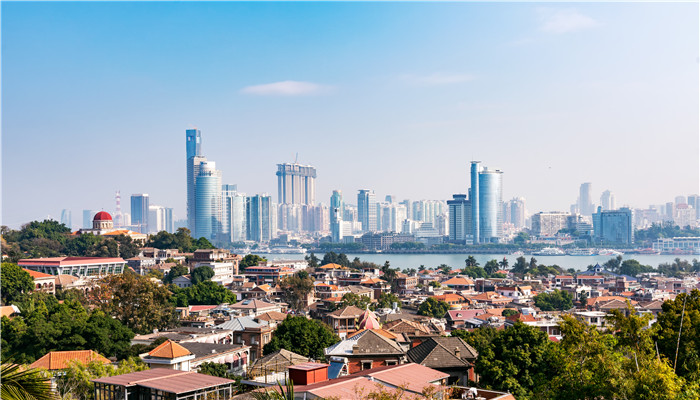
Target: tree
{"type": "Point", "coordinates": [302, 336]}
{"type": "Point", "coordinates": [352, 299]}
{"type": "Point", "coordinates": [508, 312]}
{"type": "Point", "coordinates": [475, 272]}
{"type": "Point", "coordinates": [471, 262]}
{"type": "Point", "coordinates": [202, 274]}
{"type": "Point", "coordinates": [134, 300]}
{"type": "Point", "coordinates": [387, 300]}
{"type": "Point", "coordinates": [297, 290]}
{"type": "Point", "coordinates": [504, 263]}
{"type": "Point", "coordinates": [108, 336]}
{"type": "Point", "coordinates": [435, 284]}
{"type": "Point", "coordinates": [444, 268]}
{"type": "Point", "coordinates": [179, 240]}
{"type": "Point", "coordinates": [17, 383]}
{"type": "Point", "coordinates": [491, 267]}
{"type": "Point", "coordinates": [533, 263]}
{"type": "Point", "coordinates": [206, 292]}
{"type": "Point", "coordinates": [14, 281]}
{"type": "Point", "coordinates": [215, 369]}
{"type": "Point", "coordinates": [668, 326]}
{"type": "Point", "coordinates": [613, 264]}
{"type": "Point", "coordinates": [312, 260]}
{"type": "Point", "coordinates": [433, 308]}
{"type": "Point", "coordinates": [127, 247]}
{"type": "Point", "coordinates": [559, 300]}
{"type": "Point", "coordinates": [175, 271]}
{"type": "Point", "coordinates": [335, 258]}
{"type": "Point", "coordinates": [517, 360]}
{"type": "Point", "coordinates": [251, 260]}
{"type": "Point", "coordinates": [520, 266]}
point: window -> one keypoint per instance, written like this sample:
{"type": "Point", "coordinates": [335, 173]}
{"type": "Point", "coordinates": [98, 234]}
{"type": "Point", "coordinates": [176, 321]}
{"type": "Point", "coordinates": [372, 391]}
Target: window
{"type": "Point", "coordinates": [391, 362]}
{"type": "Point", "coordinates": [366, 365]}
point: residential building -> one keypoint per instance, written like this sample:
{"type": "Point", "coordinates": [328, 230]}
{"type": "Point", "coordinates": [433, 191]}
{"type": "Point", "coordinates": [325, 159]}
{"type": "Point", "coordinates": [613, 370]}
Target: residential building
{"type": "Point", "coordinates": [344, 320]}
{"type": "Point", "coordinates": [450, 355]}
{"type": "Point", "coordinates": [262, 274]}
{"type": "Point", "coordinates": [60, 360]}
{"type": "Point", "coordinates": [234, 226]}
{"type": "Point", "coordinates": [370, 348]}
{"type": "Point", "coordinates": [549, 223]}
{"type": "Point", "coordinates": [160, 219]}
{"type": "Point", "coordinates": [607, 201]}
{"type": "Point", "coordinates": [42, 282]}
{"type": "Point", "coordinates": [460, 218]}
{"type": "Point", "coordinates": [249, 331]}
{"type": "Point", "coordinates": [260, 218]}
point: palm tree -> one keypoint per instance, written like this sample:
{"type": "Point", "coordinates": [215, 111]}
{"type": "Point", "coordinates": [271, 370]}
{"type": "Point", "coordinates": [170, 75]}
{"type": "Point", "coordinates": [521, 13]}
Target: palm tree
{"type": "Point", "coordinates": [24, 384]}
{"type": "Point", "coordinates": [276, 394]}
{"type": "Point", "coordinates": [504, 263]}
{"type": "Point", "coordinates": [471, 262]}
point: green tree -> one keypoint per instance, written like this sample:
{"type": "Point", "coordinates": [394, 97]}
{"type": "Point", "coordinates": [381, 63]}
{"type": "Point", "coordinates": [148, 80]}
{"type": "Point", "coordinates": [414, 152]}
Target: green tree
{"type": "Point", "coordinates": [335, 258]}
{"type": "Point", "coordinates": [215, 369]}
{"type": "Point", "coordinates": [297, 290]}
{"type": "Point", "coordinates": [202, 274]}
{"type": "Point", "coordinates": [17, 383]}
{"type": "Point", "coordinates": [107, 336]}
{"type": "Point", "coordinates": [491, 267]}
{"type": "Point", "coordinates": [352, 299]}
{"type": "Point", "coordinates": [387, 300]}
{"type": "Point", "coordinates": [471, 262]}
{"type": "Point", "coordinates": [203, 293]}
{"type": "Point", "coordinates": [175, 271]}
{"type": "Point", "coordinates": [312, 260]}
{"type": "Point", "coordinates": [435, 284]}
{"type": "Point", "coordinates": [668, 326]}
{"type": "Point", "coordinates": [557, 300]}
{"type": "Point", "coordinates": [135, 301]}
{"type": "Point", "coordinates": [251, 260]}
{"type": "Point", "coordinates": [613, 264]}
{"type": "Point", "coordinates": [302, 336]}
{"type": "Point", "coordinates": [475, 272]}
{"type": "Point", "coordinates": [433, 308]}
{"type": "Point", "coordinates": [508, 312]}
{"type": "Point", "coordinates": [503, 264]}
{"type": "Point", "coordinates": [520, 266]}
{"type": "Point", "coordinates": [517, 360]}
{"type": "Point", "coordinates": [14, 281]}
{"type": "Point", "coordinates": [127, 247]}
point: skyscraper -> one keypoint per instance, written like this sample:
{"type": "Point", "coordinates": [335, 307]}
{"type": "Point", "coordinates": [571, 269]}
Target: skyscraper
{"type": "Point", "coordinates": [234, 214]}
{"type": "Point", "coordinates": [585, 204]}
{"type": "Point", "coordinates": [66, 218]}
{"type": "Point", "coordinates": [193, 147]}
{"type": "Point", "coordinates": [260, 211]}
{"type": "Point", "coordinates": [486, 198]}
{"type": "Point", "coordinates": [367, 210]}
{"type": "Point", "coordinates": [207, 201]}
{"type": "Point", "coordinates": [607, 200]}
{"type": "Point", "coordinates": [336, 216]}
{"type": "Point", "coordinates": [87, 218]}
{"type": "Point", "coordinates": [460, 218]}
{"type": "Point", "coordinates": [139, 212]}
{"type": "Point", "coordinates": [614, 226]}
{"type": "Point", "coordinates": [517, 212]}
{"type": "Point", "coordinates": [296, 184]}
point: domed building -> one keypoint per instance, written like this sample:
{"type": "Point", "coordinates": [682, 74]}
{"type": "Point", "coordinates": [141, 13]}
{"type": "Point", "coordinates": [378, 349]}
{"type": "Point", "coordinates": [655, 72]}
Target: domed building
{"type": "Point", "coordinates": [103, 225]}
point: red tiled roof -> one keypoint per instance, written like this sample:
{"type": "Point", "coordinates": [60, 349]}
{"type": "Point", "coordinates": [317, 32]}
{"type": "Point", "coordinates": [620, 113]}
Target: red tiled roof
{"type": "Point", "coordinates": [169, 349]}
{"type": "Point", "coordinates": [37, 274]}
{"type": "Point", "coordinates": [60, 261]}
{"type": "Point", "coordinates": [61, 359]}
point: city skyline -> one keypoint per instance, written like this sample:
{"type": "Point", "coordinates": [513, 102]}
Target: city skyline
{"type": "Point", "coordinates": [607, 87]}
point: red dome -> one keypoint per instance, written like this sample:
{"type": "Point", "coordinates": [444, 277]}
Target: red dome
{"type": "Point", "coordinates": [102, 216]}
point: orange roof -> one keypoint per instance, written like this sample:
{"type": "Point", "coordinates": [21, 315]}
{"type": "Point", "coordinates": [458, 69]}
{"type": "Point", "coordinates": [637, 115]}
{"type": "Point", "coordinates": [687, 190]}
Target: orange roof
{"type": "Point", "coordinates": [449, 297]}
{"type": "Point", "coordinates": [458, 280]}
{"type": "Point", "coordinates": [169, 349]}
{"type": "Point", "coordinates": [7, 311]}
{"type": "Point", "coordinates": [37, 274]}
{"type": "Point", "coordinates": [61, 359]}
{"type": "Point", "coordinates": [595, 300]}
{"type": "Point", "coordinates": [372, 280]}
{"type": "Point", "coordinates": [383, 332]}
{"type": "Point", "coordinates": [332, 266]}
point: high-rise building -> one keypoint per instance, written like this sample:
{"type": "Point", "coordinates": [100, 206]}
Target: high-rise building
{"type": "Point", "coordinates": [296, 184]}
{"type": "Point", "coordinates": [517, 212]}
{"type": "Point", "coordinates": [88, 215]}
{"type": "Point", "coordinates": [607, 201]}
{"type": "Point", "coordinates": [261, 224]}
{"type": "Point", "coordinates": [193, 147]}
{"type": "Point", "coordinates": [549, 223]}
{"type": "Point", "coordinates": [460, 219]}
{"type": "Point", "coordinates": [66, 218]}
{"type": "Point", "coordinates": [367, 210]}
{"type": "Point", "coordinates": [139, 212]}
{"type": "Point", "coordinates": [585, 204]}
{"type": "Point", "coordinates": [694, 201]}
{"type": "Point", "coordinates": [336, 216]}
{"type": "Point", "coordinates": [234, 214]}
{"type": "Point", "coordinates": [486, 198]}
{"type": "Point", "coordinates": [208, 201]}
{"type": "Point", "coordinates": [615, 226]}
{"type": "Point", "coordinates": [160, 219]}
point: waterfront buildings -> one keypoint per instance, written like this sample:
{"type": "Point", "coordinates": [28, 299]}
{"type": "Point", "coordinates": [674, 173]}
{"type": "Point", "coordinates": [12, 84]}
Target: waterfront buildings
{"type": "Point", "coordinates": [549, 223]}
{"type": "Point", "coordinates": [585, 204]}
{"type": "Point", "coordinates": [208, 201]}
{"type": "Point", "coordinates": [260, 218]}
{"type": "Point", "coordinates": [485, 196]}
{"type": "Point", "coordinates": [459, 218]}
{"type": "Point", "coordinates": [336, 216]}
{"type": "Point", "coordinates": [234, 214]}
{"type": "Point", "coordinates": [367, 210]}
{"type": "Point", "coordinates": [614, 226]}
{"type": "Point", "coordinates": [139, 212]}
{"type": "Point", "coordinates": [607, 201]}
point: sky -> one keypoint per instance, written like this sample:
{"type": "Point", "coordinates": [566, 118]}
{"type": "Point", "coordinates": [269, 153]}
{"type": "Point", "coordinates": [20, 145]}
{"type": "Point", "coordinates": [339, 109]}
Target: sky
{"type": "Point", "coordinates": [394, 97]}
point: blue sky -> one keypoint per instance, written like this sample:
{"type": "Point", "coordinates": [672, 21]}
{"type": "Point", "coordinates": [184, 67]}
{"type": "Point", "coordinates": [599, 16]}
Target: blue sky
{"type": "Point", "coordinates": [396, 97]}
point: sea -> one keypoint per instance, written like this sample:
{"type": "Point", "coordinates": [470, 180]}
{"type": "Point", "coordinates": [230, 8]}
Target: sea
{"type": "Point", "coordinates": [456, 261]}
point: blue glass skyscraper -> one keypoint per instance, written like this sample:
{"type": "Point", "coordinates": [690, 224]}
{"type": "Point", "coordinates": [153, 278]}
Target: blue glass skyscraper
{"type": "Point", "coordinates": [208, 201]}
{"type": "Point", "coordinates": [486, 200]}
{"type": "Point", "coordinates": [193, 147]}
{"type": "Point", "coordinates": [336, 216]}
{"type": "Point", "coordinates": [139, 212]}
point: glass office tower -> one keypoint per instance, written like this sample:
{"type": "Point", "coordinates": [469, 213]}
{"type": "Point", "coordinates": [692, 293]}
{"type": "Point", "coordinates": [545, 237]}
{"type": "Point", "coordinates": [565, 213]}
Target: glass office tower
{"type": "Point", "coordinates": [208, 201]}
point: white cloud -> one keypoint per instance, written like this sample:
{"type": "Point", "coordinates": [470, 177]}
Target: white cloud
{"type": "Point", "coordinates": [564, 21]}
{"type": "Point", "coordinates": [286, 88]}
{"type": "Point", "coordinates": [436, 79]}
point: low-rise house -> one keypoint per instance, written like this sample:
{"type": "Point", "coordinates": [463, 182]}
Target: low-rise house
{"type": "Point", "coordinates": [273, 367]}
{"type": "Point", "coordinates": [248, 331]}
{"type": "Point", "coordinates": [344, 320]}
{"type": "Point", "coordinates": [562, 280]}
{"type": "Point", "coordinates": [254, 307]}
{"type": "Point", "coordinates": [595, 318]}
{"type": "Point", "coordinates": [490, 299]}
{"type": "Point", "coordinates": [453, 299]}
{"type": "Point", "coordinates": [459, 283]}
{"type": "Point", "coordinates": [405, 283]}
{"type": "Point", "coordinates": [183, 281]}
{"type": "Point", "coordinates": [141, 264]}
{"type": "Point", "coordinates": [95, 267]}
{"type": "Point", "coordinates": [366, 350]}
{"type": "Point", "coordinates": [160, 384]}
{"type": "Point", "coordinates": [324, 291]}
{"type": "Point", "coordinates": [262, 274]}
{"type": "Point", "coordinates": [188, 356]}
{"type": "Point", "coordinates": [515, 292]}
{"type": "Point", "coordinates": [42, 282]}
{"type": "Point", "coordinates": [59, 360]}
{"type": "Point", "coordinates": [450, 355]}
{"type": "Point", "coordinates": [456, 319]}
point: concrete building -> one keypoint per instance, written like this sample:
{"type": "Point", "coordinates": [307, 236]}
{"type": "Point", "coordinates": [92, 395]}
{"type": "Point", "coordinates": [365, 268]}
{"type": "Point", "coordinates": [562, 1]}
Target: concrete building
{"type": "Point", "coordinates": [549, 223]}
{"type": "Point", "coordinates": [367, 210]}
{"type": "Point", "coordinates": [614, 226]}
{"type": "Point", "coordinates": [585, 204]}
{"type": "Point", "coordinates": [94, 267]}
{"type": "Point", "coordinates": [193, 146]}
{"type": "Point", "coordinates": [296, 184]}
{"type": "Point", "coordinates": [460, 220]}
{"type": "Point", "coordinates": [261, 218]}
{"type": "Point", "coordinates": [234, 226]}
{"type": "Point", "coordinates": [607, 201]}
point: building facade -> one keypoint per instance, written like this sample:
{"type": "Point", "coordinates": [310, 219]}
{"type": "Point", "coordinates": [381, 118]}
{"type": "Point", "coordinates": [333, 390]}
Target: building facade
{"type": "Point", "coordinates": [296, 184]}
{"type": "Point", "coordinates": [336, 216]}
{"type": "Point", "coordinates": [367, 210]}
{"type": "Point", "coordinates": [208, 201]}
{"type": "Point", "coordinates": [139, 212]}
{"type": "Point", "coordinates": [486, 200]}
{"type": "Point", "coordinates": [615, 226]}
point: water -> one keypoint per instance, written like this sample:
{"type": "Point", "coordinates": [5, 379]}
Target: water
{"type": "Point", "coordinates": [579, 263]}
